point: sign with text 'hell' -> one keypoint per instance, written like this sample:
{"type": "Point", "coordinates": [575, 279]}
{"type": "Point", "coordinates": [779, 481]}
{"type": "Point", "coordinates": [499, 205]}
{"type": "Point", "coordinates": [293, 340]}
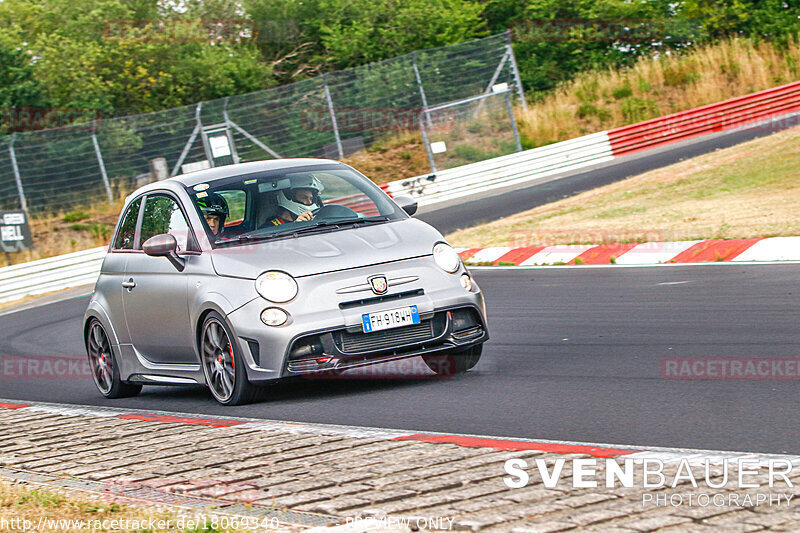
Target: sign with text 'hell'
{"type": "Point", "coordinates": [15, 234]}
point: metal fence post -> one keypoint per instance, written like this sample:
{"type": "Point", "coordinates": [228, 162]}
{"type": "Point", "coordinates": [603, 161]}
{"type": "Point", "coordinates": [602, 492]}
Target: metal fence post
{"type": "Point", "coordinates": [513, 121]}
{"type": "Point", "coordinates": [427, 144]}
{"type": "Point", "coordinates": [333, 116]}
{"type": "Point", "coordinates": [419, 84]}
{"type": "Point", "coordinates": [23, 203]}
{"type": "Point", "coordinates": [515, 70]}
{"type": "Point", "coordinates": [100, 162]}
{"type": "Point", "coordinates": [197, 127]}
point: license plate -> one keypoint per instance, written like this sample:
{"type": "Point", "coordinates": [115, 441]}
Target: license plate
{"type": "Point", "coordinates": [393, 318]}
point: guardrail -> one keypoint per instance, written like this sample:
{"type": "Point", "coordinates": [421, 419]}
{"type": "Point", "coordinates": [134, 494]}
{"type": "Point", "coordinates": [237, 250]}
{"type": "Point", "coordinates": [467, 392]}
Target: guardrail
{"type": "Point", "coordinates": [506, 170]}
{"type": "Point", "coordinates": [51, 274]}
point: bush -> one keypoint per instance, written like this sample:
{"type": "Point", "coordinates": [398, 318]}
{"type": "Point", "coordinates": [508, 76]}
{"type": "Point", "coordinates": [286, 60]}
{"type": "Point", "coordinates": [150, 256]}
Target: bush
{"type": "Point", "coordinates": [638, 109]}
{"type": "Point", "coordinates": [588, 110]}
{"type": "Point", "coordinates": [622, 92]}
{"type": "Point", "coordinates": [469, 153]}
{"type": "Point", "coordinates": [97, 230]}
{"type": "Point", "coordinates": [76, 216]}
{"type": "Point", "coordinates": [476, 127]}
{"type": "Point", "coordinates": [681, 75]}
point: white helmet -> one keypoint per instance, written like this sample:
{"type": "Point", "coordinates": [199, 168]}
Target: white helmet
{"type": "Point", "coordinates": [286, 199]}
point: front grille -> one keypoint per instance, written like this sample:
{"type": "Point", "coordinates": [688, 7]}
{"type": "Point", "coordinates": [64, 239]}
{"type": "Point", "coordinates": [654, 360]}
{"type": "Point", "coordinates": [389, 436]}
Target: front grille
{"type": "Point", "coordinates": [386, 339]}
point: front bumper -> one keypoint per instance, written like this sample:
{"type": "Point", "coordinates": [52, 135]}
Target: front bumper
{"type": "Point", "coordinates": [342, 349]}
{"type": "Point", "coordinates": [321, 311]}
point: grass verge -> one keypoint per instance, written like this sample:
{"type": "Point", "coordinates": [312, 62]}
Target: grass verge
{"type": "Point", "coordinates": [745, 191]}
{"type": "Point", "coordinates": [26, 507]}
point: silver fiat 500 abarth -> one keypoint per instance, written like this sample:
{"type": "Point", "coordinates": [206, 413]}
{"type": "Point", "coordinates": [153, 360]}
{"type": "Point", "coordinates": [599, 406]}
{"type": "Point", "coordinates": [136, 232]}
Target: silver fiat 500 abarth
{"type": "Point", "coordinates": [240, 275]}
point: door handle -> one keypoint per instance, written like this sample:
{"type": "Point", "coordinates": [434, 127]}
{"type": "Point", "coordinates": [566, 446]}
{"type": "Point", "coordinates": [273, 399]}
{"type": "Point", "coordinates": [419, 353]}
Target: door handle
{"type": "Point", "coordinates": [130, 284]}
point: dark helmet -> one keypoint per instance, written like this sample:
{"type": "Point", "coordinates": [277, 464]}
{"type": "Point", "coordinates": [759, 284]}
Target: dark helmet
{"type": "Point", "coordinates": [214, 204]}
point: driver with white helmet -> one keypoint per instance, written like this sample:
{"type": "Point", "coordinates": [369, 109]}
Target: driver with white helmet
{"type": "Point", "coordinates": [296, 204]}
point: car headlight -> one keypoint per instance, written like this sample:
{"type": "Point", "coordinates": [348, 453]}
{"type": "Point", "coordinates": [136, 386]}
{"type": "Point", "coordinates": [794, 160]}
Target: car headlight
{"type": "Point", "coordinates": [278, 287]}
{"type": "Point", "coordinates": [447, 258]}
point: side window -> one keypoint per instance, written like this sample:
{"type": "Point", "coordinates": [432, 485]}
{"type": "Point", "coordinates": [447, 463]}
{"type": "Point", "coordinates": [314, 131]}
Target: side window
{"type": "Point", "coordinates": [236, 200]}
{"type": "Point", "coordinates": [163, 215]}
{"type": "Point", "coordinates": [128, 228]}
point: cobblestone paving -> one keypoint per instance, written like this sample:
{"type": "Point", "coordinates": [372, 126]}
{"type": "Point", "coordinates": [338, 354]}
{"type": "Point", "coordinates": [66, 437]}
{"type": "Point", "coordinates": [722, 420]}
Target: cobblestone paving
{"type": "Point", "coordinates": [438, 485]}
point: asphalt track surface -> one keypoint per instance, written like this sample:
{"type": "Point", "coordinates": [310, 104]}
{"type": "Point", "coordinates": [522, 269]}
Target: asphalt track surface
{"type": "Point", "coordinates": [575, 355]}
{"type": "Point", "coordinates": [467, 212]}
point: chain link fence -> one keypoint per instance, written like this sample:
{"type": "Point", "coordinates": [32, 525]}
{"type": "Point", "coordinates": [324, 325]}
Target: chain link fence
{"type": "Point", "coordinates": [470, 130]}
{"type": "Point", "coordinates": [328, 116]}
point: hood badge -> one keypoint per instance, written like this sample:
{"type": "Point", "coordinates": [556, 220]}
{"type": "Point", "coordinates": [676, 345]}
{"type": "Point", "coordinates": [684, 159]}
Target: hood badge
{"type": "Point", "coordinates": [378, 284]}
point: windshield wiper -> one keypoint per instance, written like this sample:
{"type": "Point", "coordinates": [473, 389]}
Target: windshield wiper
{"type": "Point", "coordinates": [320, 227]}
{"type": "Point", "coordinates": [247, 238]}
{"type": "Point", "coordinates": [370, 220]}
{"type": "Point", "coordinates": [328, 225]}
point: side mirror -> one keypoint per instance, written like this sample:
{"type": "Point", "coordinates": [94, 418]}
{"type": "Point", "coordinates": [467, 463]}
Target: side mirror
{"type": "Point", "coordinates": [164, 245]}
{"type": "Point", "coordinates": [407, 204]}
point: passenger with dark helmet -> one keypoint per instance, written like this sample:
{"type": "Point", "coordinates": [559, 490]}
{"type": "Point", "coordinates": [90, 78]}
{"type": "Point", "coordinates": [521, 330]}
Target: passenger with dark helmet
{"type": "Point", "coordinates": [296, 204]}
{"type": "Point", "coordinates": [215, 210]}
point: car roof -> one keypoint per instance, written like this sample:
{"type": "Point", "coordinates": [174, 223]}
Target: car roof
{"type": "Point", "coordinates": [240, 169]}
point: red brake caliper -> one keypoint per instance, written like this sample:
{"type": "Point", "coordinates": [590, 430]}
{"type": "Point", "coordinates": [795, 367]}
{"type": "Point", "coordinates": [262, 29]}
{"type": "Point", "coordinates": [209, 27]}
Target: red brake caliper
{"type": "Point", "coordinates": [230, 349]}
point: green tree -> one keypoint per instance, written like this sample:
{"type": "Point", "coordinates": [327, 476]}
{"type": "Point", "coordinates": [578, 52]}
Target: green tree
{"type": "Point", "coordinates": [761, 19]}
{"type": "Point", "coordinates": [306, 38]}
{"type": "Point", "coordinates": [556, 40]}
{"type": "Point", "coordinates": [18, 87]}
{"type": "Point", "coordinates": [123, 57]}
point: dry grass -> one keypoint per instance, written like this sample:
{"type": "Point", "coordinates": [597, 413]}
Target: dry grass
{"type": "Point", "coordinates": [748, 190]}
{"type": "Point", "coordinates": [50, 511]}
{"type": "Point", "coordinates": [25, 502]}
{"type": "Point", "coordinates": [398, 156]}
{"type": "Point", "coordinates": [69, 231]}
{"type": "Point", "coordinates": [653, 87]}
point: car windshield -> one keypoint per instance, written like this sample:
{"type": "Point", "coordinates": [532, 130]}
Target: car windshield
{"type": "Point", "coordinates": [294, 201]}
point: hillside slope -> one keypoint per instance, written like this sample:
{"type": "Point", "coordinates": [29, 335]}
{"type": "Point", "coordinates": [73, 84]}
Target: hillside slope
{"type": "Point", "coordinates": [748, 190]}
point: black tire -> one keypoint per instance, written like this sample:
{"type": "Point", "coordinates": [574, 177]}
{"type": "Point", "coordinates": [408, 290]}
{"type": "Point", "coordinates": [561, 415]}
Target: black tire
{"type": "Point", "coordinates": [223, 364]}
{"type": "Point", "coordinates": [104, 364]}
{"type": "Point", "coordinates": [449, 364]}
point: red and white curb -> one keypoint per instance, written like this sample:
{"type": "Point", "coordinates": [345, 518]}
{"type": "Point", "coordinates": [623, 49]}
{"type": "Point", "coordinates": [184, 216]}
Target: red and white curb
{"type": "Point", "coordinates": [599, 450]}
{"type": "Point", "coordinates": [770, 249]}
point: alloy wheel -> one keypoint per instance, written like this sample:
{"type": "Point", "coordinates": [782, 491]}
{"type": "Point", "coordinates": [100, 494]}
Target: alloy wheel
{"type": "Point", "coordinates": [218, 360]}
{"type": "Point", "coordinates": [101, 358]}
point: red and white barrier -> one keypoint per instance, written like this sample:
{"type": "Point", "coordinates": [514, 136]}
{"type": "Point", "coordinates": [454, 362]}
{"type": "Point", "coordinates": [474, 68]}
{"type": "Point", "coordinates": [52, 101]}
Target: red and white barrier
{"type": "Point", "coordinates": [648, 253]}
{"type": "Point", "coordinates": [704, 120]}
